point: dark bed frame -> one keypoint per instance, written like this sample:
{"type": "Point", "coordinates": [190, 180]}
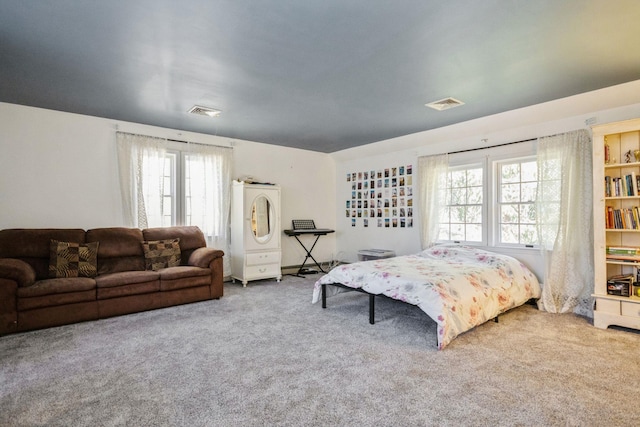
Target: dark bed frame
{"type": "Point", "coordinates": [372, 299]}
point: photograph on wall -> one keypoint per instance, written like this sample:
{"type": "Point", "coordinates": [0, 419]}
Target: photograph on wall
{"type": "Point", "coordinates": [384, 194]}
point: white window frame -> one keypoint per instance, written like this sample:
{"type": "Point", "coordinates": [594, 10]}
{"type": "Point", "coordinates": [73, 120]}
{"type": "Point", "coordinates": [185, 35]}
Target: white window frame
{"type": "Point", "coordinates": [496, 203]}
{"type": "Point", "coordinates": [465, 166]}
{"type": "Point", "coordinates": [177, 188]}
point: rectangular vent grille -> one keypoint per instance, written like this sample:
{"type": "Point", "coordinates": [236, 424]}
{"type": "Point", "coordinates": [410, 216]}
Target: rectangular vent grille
{"type": "Point", "coordinates": [204, 111]}
{"type": "Point", "coordinates": [444, 104]}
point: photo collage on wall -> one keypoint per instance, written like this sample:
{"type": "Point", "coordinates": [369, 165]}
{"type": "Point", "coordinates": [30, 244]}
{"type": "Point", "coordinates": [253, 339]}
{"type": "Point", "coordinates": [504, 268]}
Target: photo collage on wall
{"type": "Point", "coordinates": [381, 198]}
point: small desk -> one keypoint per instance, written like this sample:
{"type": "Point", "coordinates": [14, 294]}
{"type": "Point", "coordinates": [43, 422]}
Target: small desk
{"type": "Point", "coordinates": [305, 231]}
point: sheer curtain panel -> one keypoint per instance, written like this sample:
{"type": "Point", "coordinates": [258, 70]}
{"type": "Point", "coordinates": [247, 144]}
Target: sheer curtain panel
{"type": "Point", "coordinates": [564, 206]}
{"type": "Point", "coordinates": [208, 194]}
{"type": "Point", "coordinates": [140, 159]}
{"type": "Point", "coordinates": [432, 185]}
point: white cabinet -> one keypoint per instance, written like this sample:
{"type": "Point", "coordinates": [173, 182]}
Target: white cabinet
{"type": "Point", "coordinates": [255, 232]}
{"type": "Point", "coordinates": [616, 214]}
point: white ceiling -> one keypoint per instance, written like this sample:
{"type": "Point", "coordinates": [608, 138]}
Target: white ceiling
{"type": "Point", "coordinates": [317, 75]}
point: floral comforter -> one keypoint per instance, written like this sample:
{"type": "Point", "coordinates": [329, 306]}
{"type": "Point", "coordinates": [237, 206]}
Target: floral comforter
{"type": "Point", "coordinates": [459, 287]}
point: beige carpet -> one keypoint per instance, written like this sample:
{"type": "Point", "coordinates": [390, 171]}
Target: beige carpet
{"type": "Point", "coordinates": [265, 356]}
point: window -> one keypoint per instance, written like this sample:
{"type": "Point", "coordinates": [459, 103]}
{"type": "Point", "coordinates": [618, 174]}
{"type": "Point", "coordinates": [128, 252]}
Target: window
{"type": "Point", "coordinates": [161, 205]}
{"type": "Point", "coordinates": [183, 181]}
{"type": "Point", "coordinates": [493, 206]}
{"type": "Point", "coordinates": [516, 202]}
{"type": "Point", "coordinates": [461, 220]}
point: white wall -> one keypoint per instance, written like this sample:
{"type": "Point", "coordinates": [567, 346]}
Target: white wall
{"type": "Point", "coordinates": [60, 170]}
{"type": "Point", "coordinates": [607, 105]}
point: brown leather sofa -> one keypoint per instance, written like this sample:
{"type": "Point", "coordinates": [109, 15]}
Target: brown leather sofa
{"type": "Point", "coordinates": [31, 299]}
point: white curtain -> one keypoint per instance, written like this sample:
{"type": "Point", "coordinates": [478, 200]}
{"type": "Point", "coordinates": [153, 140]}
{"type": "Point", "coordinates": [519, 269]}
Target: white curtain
{"type": "Point", "coordinates": [432, 188]}
{"type": "Point", "coordinates": [208, 194]}
{"type": "Point", "coordinates": [564, 205]}
{"type": "Point", "coordinates": [140, 160]}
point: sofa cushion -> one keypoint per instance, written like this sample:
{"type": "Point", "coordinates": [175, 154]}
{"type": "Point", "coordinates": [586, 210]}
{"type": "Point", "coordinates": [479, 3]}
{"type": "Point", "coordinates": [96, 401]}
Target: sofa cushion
{"type": "Point", "coordinates": [161, 254]}
{"type": "Point", "coordinates": [119, 250]}
{"type": "Point", "coordinates": [126, 278]}
{"type": "Point", "coordinates": [184, 277]}
{"type": "Point", "coordinates": [127, 283]}
{"type": "Point", "coordinates": [57, 286]}
{"type": "Point", "coordinates": [53, 300]}
{"type": "Point", "coordinates": [69, 259]}
{"type": "Point", "coordinates": [181, 272]}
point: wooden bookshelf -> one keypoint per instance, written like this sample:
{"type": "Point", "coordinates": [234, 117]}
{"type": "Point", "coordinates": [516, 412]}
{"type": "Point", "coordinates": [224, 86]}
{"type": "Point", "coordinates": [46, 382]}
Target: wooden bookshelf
{"type": "Point", "coordinates": [616, 187]}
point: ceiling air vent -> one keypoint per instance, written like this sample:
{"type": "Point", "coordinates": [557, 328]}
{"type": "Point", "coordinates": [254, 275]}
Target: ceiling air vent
{"type": "Point", "coordinates": [204, 111]}
{"type": "Point", "coordinates": [444, 104]}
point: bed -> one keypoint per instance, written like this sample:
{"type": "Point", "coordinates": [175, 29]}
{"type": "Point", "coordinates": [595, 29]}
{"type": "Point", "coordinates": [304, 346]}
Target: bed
{"type": "Point", "coordinates": [459, 287]}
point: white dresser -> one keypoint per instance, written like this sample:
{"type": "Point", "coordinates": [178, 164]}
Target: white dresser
{"type": "Point", "coordinates": [255, 232]}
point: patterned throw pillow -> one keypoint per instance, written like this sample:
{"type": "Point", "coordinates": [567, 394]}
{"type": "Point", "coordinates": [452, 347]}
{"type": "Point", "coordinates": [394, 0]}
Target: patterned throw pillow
{"type": "Point", "coordinates": [68, 259]}
{"type": "Point", "coordinates": [160, 254]}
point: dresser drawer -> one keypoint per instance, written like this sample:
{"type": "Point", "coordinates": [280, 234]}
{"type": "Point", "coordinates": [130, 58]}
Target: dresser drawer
{"type": "Point", "coordinates": [263, 271]}
{"type": "Point", "coordinates": [630, 309]}
{"type": "Point", "coordinates": [260, 258]}
{"type": "Point", "coordinates": [608, 306]}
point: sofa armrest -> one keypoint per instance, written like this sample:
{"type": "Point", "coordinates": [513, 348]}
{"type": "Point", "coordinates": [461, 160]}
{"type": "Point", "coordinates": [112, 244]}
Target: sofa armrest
{"type": "Point", "coordinates": [203, 257]}
{"type": "Point", "coordinates": [17, 270]}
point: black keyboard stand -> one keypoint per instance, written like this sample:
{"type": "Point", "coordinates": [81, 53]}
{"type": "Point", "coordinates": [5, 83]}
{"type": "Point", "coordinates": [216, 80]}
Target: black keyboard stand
{"type": "Point", "coordinates": [316, 232]}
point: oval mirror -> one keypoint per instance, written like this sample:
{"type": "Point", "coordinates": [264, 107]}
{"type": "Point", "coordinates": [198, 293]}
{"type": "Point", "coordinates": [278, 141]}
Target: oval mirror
{"type": "Point", "coordinates": [261, 218]}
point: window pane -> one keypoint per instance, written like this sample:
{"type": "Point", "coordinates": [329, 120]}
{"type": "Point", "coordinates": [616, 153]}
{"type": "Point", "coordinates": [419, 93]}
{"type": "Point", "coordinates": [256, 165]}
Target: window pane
{"type": "Point", "coordinates": [510, 193]}
{"type": "Point", "coordinates": [517, 197]}
{"type": "Point", "coordinates": [509, 214]}
{"type": "Point", "coordinates": [457, 231]}
{"type": "Point", "coordinates": [444, 232]}
{"type": "Point", "coordinates": [474, 233]}
{"type": "Point", "coordinates": [458, 179]}
{"type": "Point", "coordinates": [528, 234]}
{"type": "Point", "coordinates": [444, 215]}
{"type": "Point", "coordinates": [509, 233]}
{"type": "Point", "coordinates": [458, 196]}
{"type": "Point", "coordinates": [529, 171]}
{"type": "Point", "coordinates": [528, 214]}
{"type": "Point", "coordinates": [474, 195]}
{"type": "Point", "coordinates": [528, 192]}
{"type": "Point", "coordinates": [474, 214]}
{"type": "Point", "coordinates": [474, 177]}
{"type": "Point", "coordinates": [510, 172]}
{"type": "Point", "coordinates": [465, 206]}
{"type": "Point", "coordinates": [458, 214]}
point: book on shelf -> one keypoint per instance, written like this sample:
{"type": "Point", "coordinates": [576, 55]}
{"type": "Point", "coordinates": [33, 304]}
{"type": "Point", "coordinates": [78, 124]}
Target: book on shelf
{"type": "Point", "coordinates": [626, 258]}
{"type": "Point", "coordinates": [623, 250]}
